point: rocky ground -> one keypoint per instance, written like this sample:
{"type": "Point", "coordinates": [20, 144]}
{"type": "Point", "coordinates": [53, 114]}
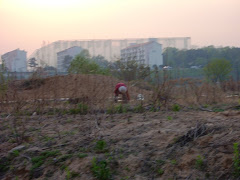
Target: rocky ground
{"type": "Point", "coordinates": [154, 145]}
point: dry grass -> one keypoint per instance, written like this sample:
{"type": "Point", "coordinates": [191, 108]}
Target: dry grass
{"type": "Point", "coordinates": [96, 91]}
{"type": "Point", "coordinates": [34, 115]}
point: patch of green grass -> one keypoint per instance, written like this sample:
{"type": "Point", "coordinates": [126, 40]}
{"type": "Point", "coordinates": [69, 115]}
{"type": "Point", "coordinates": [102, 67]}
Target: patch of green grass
{"type": "Point", "coordinates": [199, 164]}
{"type": "Point", "coordinates": [4, 164]}
{"type": "Point", "coordinates": [218, 110]}
{"type": "Point", "coordinates": [15, 153]}
{"type": "Point", "coordinates": [83, 149]}
{"type": "Point", "coordinates": [63, 167]}
{"type": "Point", "coordinates": [176, 108]}
{"type": "Point", "coordinates": [121, 156]}
{"type": "Point", "coordinates": [205, 106]}
{"type": "Point", "coordinates": [236, 160]}
{"type": "Point", "coordinates": [100, 169]}
{"type": "Point", "coordinates": [120, 108]}
{"type": "Point", "coordinates": [46, 138]}
{"type": "Point", "coordinates": [160, 171]}
{"type": "Point", "coordinates": [71, 174]}
{"type": "Point", "coordinates": [81, 109]}
{"type": "Point", "coordinates": [139, 109]}
{"type": "Point", "coordinates": [173, 162]}
{"type": "Point", "coordinates": [125, 178]}
{"type": "Point", "coordinates": [169, 118]}
{"type": "Point", "coordinates": [155, 108]}
{"type": "Point", "coordinates": [82, 155]}
{"type": "Point", "coordinates": [127, 169]}
{"type": "Point", "coordinates": [160, 162]}
{"type": "Point", "coordinates": [101, 146]}
{"type": "Point", "coordinates": [68, 133]}
{"type": "Point", "coordinates": [39, 160]}
{"type": "Point", "coordinates": [65, 157]}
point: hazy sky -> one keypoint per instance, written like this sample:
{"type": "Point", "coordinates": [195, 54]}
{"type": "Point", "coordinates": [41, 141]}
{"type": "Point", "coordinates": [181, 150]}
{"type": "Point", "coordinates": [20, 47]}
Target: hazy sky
{"type": "Point", "coordinates": [25, 24]}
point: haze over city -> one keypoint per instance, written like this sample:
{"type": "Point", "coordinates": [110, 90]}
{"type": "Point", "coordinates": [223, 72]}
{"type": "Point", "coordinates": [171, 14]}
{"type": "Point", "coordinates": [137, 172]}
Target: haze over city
{"type": "Point", "coordinates": [25, 24]}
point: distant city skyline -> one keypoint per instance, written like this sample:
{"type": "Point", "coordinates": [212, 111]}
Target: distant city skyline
{"type": "Point", "coordinates": [25, 24]}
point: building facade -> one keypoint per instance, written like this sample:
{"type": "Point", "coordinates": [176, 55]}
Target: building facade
{"type": "Point", "coordinates": [149, 53]}
{"type": "Point", "coordinates": [15, 61]}
{"type": "Point", "coordinates": [66, 56]}
{"type": "Point", "coordinates": [109, 48]}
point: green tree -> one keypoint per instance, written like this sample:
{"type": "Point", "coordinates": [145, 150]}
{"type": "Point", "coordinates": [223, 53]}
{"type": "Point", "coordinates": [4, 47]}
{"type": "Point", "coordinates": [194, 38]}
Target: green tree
{"type": "Point", "coordinates": [33, 62]}
{"type": "Point", "coordinates": [100, 60]}
{"type": "Point", "coordinates": [217, 70]}
{"type": "Point", "coordinates": [49, 68]}
{"type": "Point", "coordinates": [66, 62]}
{"type": "Point", "coordinates": [83, 65]}
{"type": "Point", "coordinates": [85, 53]}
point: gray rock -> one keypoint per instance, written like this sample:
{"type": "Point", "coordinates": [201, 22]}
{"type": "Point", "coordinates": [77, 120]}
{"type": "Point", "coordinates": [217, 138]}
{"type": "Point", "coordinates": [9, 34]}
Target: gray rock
{"type": "Point", "coordinates": [18, 148]}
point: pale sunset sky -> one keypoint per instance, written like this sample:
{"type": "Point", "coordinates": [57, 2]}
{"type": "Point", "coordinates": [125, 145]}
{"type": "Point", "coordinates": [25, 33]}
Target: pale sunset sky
{"type": "Point", "coordinates": [25, 24]}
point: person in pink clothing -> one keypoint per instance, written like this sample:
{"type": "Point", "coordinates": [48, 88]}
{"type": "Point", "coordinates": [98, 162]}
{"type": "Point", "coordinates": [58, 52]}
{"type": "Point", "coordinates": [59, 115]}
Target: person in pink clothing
{"type": "Point", "coordinates": [121, 88]}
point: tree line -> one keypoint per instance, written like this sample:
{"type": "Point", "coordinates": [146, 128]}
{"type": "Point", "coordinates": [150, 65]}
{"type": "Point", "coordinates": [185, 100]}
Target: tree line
{"type": "Point", "coordinates": [202, 57]}
{"type": "Point", "coordinates": [214, 64]}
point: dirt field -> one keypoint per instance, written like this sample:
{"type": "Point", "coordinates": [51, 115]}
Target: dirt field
{"type": "Point", "coordinates": [190, 137]}
{"type": "Point", "coordinates": [162, 145]}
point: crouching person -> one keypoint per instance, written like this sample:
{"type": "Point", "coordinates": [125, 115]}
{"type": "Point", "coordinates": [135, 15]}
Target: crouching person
{"type": "Point", "coordinates": [121, 88]}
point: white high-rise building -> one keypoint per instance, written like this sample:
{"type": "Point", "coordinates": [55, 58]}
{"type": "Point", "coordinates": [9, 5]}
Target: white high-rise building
{"type": "Point", "coordinates": [149, 53]}
{"type": "Point", "coordinates": [109, 48]}
{"type": "Point", "coordinates": [69, 53]}
{"type": "Point", "coordinates": [15, 61]}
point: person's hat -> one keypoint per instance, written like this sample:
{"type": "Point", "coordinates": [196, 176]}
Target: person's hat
{"type": "Point", "coordinates": [122, 89]}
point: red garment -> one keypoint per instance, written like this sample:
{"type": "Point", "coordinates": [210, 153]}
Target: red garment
{"type": "Point", "coordinates": [117, 87]}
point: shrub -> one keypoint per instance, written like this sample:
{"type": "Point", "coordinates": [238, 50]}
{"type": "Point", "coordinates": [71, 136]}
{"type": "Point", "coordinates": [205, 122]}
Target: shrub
{"type": "Point", "coordinates": [100, 169]}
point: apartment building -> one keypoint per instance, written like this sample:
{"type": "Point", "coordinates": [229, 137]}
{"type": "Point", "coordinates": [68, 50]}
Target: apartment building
{"type": "Point", "coordinates": [15, 61]}
{"type": "Point", "coordinates": [70, 54]}
{"type": "Point", "coordinates": [109, 48]}
{"type": "Point", "coordinates": [149, 53]}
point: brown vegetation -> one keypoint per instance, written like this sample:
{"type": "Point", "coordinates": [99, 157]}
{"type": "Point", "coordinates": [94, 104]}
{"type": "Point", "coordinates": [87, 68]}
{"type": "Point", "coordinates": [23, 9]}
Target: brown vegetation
{"type": "Point", "coordinates": [183, 129]}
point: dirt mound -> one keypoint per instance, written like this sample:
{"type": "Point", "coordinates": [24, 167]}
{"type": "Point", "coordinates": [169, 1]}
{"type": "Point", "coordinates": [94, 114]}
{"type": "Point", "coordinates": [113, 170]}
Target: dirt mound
{"type": "Point", "coordinates": [94, 88]}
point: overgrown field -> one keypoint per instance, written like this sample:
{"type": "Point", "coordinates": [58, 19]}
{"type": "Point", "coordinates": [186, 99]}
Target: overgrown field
{"type": "Point", "coordinates": [70, 128]}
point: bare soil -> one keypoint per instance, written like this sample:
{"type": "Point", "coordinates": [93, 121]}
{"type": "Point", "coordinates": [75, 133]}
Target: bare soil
{"type": "Point", "coordinates": [140, 146]}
